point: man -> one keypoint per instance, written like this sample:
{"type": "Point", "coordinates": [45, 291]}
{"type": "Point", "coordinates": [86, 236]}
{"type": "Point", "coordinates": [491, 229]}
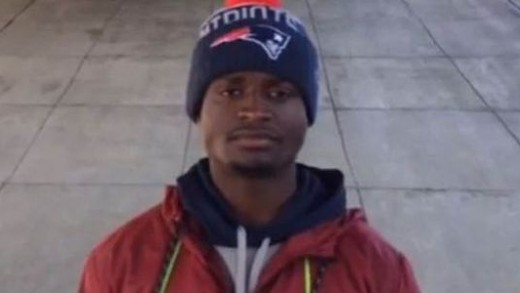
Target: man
{"type": "Point", "coordinates": [249, 218]}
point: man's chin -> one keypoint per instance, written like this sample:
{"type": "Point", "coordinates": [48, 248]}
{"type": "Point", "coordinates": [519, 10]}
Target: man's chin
{"type": "Point", "coordinates": [257, 170]}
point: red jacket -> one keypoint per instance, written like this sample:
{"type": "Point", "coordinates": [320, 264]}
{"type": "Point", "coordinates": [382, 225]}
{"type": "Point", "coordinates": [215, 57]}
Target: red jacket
{"type": "Point", "coordinates": [132, 259]}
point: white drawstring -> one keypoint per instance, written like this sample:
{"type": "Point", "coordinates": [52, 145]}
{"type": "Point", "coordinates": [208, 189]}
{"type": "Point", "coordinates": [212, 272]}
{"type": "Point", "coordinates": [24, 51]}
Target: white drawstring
{"type": "Point", "coordinates": [244, 283]}
{"type": "Point", "coordinates": [258, 263]}
{"type": "Point", "coordinates": [240, 277]}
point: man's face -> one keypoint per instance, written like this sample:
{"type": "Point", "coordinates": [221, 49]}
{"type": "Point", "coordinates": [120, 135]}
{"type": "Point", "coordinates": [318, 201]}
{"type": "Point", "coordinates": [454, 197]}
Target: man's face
{"type": "Point", "coordinates": [253, 122]}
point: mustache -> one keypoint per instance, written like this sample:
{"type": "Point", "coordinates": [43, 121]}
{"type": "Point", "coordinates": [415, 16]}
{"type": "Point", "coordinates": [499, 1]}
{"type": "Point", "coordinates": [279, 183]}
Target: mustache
{"type": "Point", "coordinates": [254, 131]}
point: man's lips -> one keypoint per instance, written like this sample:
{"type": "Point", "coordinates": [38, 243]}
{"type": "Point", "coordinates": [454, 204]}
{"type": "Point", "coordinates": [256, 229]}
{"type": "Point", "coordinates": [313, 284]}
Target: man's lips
{"type": "Point", "coordinates": [254, 143]}
{"type": "Point", "coordinates": [254, 139]}
{"type": "Point", "coordinates": [254, 134]}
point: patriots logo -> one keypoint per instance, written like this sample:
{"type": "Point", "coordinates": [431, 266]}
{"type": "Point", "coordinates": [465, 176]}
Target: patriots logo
{"type": "Point", "coordinates": [271, 39]}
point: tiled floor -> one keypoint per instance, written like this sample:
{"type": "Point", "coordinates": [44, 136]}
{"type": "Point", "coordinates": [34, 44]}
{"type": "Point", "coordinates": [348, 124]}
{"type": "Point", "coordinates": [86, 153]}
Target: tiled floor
{"type": "Point", "coordinates": [420, 109]}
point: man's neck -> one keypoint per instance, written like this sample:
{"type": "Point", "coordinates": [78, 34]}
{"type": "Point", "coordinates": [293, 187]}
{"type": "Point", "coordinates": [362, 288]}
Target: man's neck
{"type": "Point", "coordinates": [256, 201]}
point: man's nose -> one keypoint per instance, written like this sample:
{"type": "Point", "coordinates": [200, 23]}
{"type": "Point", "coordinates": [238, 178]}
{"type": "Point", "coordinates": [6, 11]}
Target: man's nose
{"type": "Point", "coordinates": [254, 107]}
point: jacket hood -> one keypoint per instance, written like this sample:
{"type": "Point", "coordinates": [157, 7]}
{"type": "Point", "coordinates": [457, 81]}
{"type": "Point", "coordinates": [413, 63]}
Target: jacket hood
{"type": "Point", "coordinates": [320, 197]}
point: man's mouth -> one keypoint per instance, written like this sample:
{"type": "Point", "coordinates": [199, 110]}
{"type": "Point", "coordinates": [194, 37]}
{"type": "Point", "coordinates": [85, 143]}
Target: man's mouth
{"type": "Point", "coordinates": [254, 139]}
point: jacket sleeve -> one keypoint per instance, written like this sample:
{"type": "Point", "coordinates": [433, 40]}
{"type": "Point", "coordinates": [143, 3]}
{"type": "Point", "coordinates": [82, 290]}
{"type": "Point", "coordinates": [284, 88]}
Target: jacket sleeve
{"type": "Point", "coordinates": [93, 279]}
{"type": "Point", "coordinates": [391, 271]}
{"type": "Point", "coordinates": [387, 269]}
{"type": "Point", "coordinates": [407, 282]}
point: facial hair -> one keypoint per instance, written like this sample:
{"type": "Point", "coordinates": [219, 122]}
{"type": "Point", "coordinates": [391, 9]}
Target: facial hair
{"type": "Point", "coordinates": [258, 171]}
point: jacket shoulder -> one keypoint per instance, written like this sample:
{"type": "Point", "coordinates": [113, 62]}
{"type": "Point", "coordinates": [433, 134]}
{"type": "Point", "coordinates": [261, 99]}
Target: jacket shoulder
{"type": "Point", "coordinates": [131, 233]}
{"type": "Point", "coordinates": [140, 242]}
{"type": "Point", "coordinates": [360, 235]}
{"type": "Point", "coordinates": [150, 227]}
{"type": "Point", "coordinates": [366, 252]}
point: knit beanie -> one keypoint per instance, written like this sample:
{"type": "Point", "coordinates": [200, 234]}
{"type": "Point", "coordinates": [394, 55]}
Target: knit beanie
{"type": "Point", "coordinates": [256, 36]}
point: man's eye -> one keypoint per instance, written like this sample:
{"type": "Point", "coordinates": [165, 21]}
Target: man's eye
{"type": "Point", "coordinates": [231, 93]}
{"type": "Point", "coordinates": [280, 95]}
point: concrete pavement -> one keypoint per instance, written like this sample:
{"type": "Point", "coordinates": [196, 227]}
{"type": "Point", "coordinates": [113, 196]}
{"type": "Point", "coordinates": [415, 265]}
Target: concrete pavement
{"type": "Point", "coordinates": [420, 109]}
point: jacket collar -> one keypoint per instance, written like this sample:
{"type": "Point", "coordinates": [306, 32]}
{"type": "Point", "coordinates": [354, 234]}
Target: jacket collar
{"type": "Point", "coordinates": [319, 198]}
{"type": "Point", "coordinates": [319, 242]}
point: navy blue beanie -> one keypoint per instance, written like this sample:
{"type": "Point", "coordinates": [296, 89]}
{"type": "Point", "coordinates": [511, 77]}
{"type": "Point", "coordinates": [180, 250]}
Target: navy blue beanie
{"type": "Point", "coordinates": [254, 37]}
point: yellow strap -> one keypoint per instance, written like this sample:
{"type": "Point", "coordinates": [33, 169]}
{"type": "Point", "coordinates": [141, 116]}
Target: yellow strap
{"type": "Point", "coordinates": [165, 282]}
{"type": "Point", "coordinates": [307, 275]}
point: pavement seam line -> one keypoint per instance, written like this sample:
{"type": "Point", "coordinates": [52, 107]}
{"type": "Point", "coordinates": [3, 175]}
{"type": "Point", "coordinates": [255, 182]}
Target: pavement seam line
{"type": "Point", "coordinates": [211, 7]}
{"type": "Point", "coordinates": [161, 184]}
{"type": "Point", "coordinates": [414, 109]}
{"type": "Point", "coordinates": [501, 56]}
{"type": "Point", "coordinates": [63, 94]}
{"type": "Point", "coordinates": [334, 108]}
{"type": "Point", "coordinates": [470, 84]}
{"type": "Point", "coordinates": [2, 185]}
{"type": "Point", "coordinates": [91, 184]}
{"type": "Point", "coordinates": [13, 19]}
{"type": "Point", "coordinates": [428, 189]}
{"type": "Point", "coordinates": [515, 6]}
{"type": "Point", "coordinates": [338, 108]}
{"type": "Point", "coordinates": [171, 106]}
{"type": "Point", "coordinates": [87, 54]}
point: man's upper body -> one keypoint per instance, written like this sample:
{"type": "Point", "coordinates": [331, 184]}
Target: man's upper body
{"type": "Point", "coordinates": [248, 218]}
{"type": "Point", "coordinates": [357, 259]}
